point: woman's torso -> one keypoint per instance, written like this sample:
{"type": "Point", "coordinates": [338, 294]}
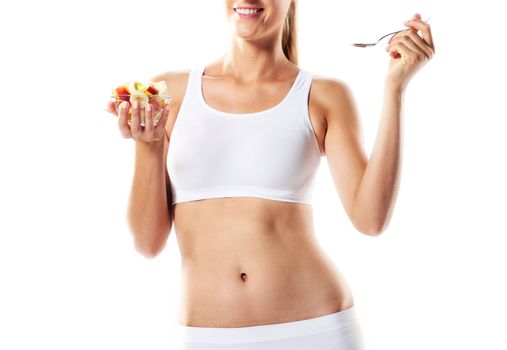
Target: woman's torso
{"type": "Point", "coordinates": [245, 260]}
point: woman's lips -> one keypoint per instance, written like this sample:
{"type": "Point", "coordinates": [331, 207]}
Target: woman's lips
{"type": "Point", "coordinates": [253, 15]}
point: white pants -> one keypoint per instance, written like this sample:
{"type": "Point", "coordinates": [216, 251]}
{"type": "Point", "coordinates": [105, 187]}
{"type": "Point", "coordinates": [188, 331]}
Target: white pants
{"type": "Point", "coordinates": [337, 331]}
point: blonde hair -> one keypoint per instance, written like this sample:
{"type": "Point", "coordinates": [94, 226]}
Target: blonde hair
{"type": "Point", "coordinates": [289, 37]}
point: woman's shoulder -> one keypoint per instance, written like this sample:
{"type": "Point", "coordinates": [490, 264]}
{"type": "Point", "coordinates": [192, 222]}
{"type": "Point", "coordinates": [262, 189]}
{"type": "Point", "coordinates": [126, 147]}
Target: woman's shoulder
{"type": "Point", "coordinates": [329, 85]}
{"type": "Point", "coordinates": [329, 92]}
{"type": "Point", "coordinates": [176, 81]}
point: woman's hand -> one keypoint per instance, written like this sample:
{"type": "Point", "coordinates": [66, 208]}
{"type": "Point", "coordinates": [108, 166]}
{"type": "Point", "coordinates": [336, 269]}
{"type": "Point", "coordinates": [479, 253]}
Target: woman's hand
{"type": "Point", "coordinates": [148, 133]}
{"type": "Point", "coordinates": [409, 52]}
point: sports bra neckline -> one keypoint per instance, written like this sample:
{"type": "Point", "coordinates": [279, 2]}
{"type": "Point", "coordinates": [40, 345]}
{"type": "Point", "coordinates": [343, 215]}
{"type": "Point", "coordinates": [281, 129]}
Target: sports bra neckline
{"type": "Point", "coordinates": [228, 114]}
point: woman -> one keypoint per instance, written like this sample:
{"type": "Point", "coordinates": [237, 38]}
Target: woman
{"type": "Point", "coordinates": [246, 134]}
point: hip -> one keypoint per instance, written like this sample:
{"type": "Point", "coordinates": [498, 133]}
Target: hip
{"type": "Point", "coordinates": [332, 331]}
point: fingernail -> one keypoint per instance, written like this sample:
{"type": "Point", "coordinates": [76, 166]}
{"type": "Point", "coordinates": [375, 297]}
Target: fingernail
{"type": "Point", "coordinates": [406, 22]}
{"type": "Point", "coordinates": [124, 105]}
{"type": "Point", "coordinates": [136, 104]}
{"type": "Point", "coordinates": [148, 108]}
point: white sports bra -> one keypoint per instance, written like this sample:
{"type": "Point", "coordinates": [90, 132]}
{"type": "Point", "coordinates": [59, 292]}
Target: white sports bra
{"type": "Point", "coordinates": [270, 154]}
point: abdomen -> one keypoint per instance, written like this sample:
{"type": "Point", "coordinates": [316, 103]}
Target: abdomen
{"type": "Point", "coordinates": [239, 270]}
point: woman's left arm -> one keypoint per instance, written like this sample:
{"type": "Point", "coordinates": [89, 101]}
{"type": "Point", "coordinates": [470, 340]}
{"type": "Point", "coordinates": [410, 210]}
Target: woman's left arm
{"type": "Point", "coordinates": [378, 189]}
{"type": "Point", "coordinates": [368, 187]}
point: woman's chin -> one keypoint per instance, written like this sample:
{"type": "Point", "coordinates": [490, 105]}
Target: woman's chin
{"type": "Point", "coordinates": [244, 33]}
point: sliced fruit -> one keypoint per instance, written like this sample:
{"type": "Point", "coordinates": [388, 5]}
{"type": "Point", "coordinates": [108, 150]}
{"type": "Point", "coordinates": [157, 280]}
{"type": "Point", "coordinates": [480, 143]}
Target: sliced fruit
{"type": "Point", "coordinates": [121, 93]}
{"type": "Point", "coordinates": [139, 86]}
{"type": "Point", "coordinates": [151, 90]}
{"type": "Point", "coordinates": [154, 93]}
{"type": "Point", "coordinates": [130, 87]}
{"type": "Point", "coordinates": [122, 90]}
{"type": "Point", "coordinates": [140, 97]}
{"type": "Point", "coordinates": [160, 86]}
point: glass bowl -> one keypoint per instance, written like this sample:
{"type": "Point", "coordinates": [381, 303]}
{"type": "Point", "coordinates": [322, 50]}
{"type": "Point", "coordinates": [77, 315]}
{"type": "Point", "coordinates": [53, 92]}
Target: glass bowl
{"type": "Point", "coordinates": [158, 102]}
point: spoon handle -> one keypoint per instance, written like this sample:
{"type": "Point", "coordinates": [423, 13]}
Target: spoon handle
{"type": "Point", "coordinates": [398, 31]}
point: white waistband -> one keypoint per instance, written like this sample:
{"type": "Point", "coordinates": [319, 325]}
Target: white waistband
{"type": "Point", "coordinates": [338, 320]}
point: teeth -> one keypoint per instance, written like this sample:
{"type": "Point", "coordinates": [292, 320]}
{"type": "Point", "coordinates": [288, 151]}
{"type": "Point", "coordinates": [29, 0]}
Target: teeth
{"type": "Point", "coordinates": [247, 11]}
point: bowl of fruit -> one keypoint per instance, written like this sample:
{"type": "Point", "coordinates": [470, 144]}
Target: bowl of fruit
{"type": "Point", "coordinates": [154, 93]}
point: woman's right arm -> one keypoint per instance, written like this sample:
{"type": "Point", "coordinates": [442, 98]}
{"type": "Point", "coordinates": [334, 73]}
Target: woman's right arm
{"type": "Point", "coordinates": [148, 211]}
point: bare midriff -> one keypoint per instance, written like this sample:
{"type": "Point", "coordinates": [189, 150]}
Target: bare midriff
{"type": "Point", "coordinates": [252, 261]}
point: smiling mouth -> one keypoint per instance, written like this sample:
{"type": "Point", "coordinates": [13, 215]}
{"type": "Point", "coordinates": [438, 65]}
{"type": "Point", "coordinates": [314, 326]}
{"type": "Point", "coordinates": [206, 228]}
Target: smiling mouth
{"type": "Point", "coordinates": [248, 11]}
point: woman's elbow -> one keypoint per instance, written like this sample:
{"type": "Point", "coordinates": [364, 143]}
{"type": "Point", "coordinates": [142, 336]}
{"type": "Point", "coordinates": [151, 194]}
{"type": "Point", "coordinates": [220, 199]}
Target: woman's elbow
{"type": "Point", "coordinates": [150, 249]}
{"type": "Point", "coordinates": [150, 244]}
{"type": "Point", "coordinates": [373, 229]}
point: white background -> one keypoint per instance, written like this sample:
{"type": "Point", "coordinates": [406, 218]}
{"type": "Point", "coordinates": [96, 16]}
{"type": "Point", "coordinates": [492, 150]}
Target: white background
{"type": "Point", "coordinates": [69, 275]}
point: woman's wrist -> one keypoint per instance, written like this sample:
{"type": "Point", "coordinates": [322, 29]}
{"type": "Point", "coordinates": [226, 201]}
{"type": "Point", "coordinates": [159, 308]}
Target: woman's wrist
{"type": "Point", "coordinates": [393, 87]}
{"type": "Point", "coordinates": [152, 147]}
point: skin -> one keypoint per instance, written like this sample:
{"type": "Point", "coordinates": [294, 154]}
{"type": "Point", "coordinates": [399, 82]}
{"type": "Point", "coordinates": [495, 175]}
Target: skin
{"type": "Point", "coordinates": [251, 261]}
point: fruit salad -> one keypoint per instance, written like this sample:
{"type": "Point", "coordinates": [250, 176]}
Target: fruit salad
{"type": "Point", "coordinates": [154, 93]}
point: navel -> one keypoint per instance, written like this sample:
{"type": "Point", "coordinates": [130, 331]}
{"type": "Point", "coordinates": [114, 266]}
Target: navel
{"type": "Point", "coordinates": [243, 276]}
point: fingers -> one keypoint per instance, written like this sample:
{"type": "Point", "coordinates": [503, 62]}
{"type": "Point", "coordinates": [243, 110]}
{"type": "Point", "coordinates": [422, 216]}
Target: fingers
{"type": "Point", "coordinates": [421, 44]}
{"type": "Point", "coordinates": [424, 28]}
{"type": "Point", "coordinates": [122, 120]}
{"type": "Point", "coordinates": [148, 122]}
{"type": "Point", "coordinates": [414, 42]}
{"type": "Point", "coordinates": [162, 121]}
{"type": "Point", "coordinates": [111, 108]}
{"type": "Point", "coordinates": [135, 122]}
{"type": "Point", "coordinates": [149, 132]}
{"type": "Point", "coordinates": [400, 47]}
